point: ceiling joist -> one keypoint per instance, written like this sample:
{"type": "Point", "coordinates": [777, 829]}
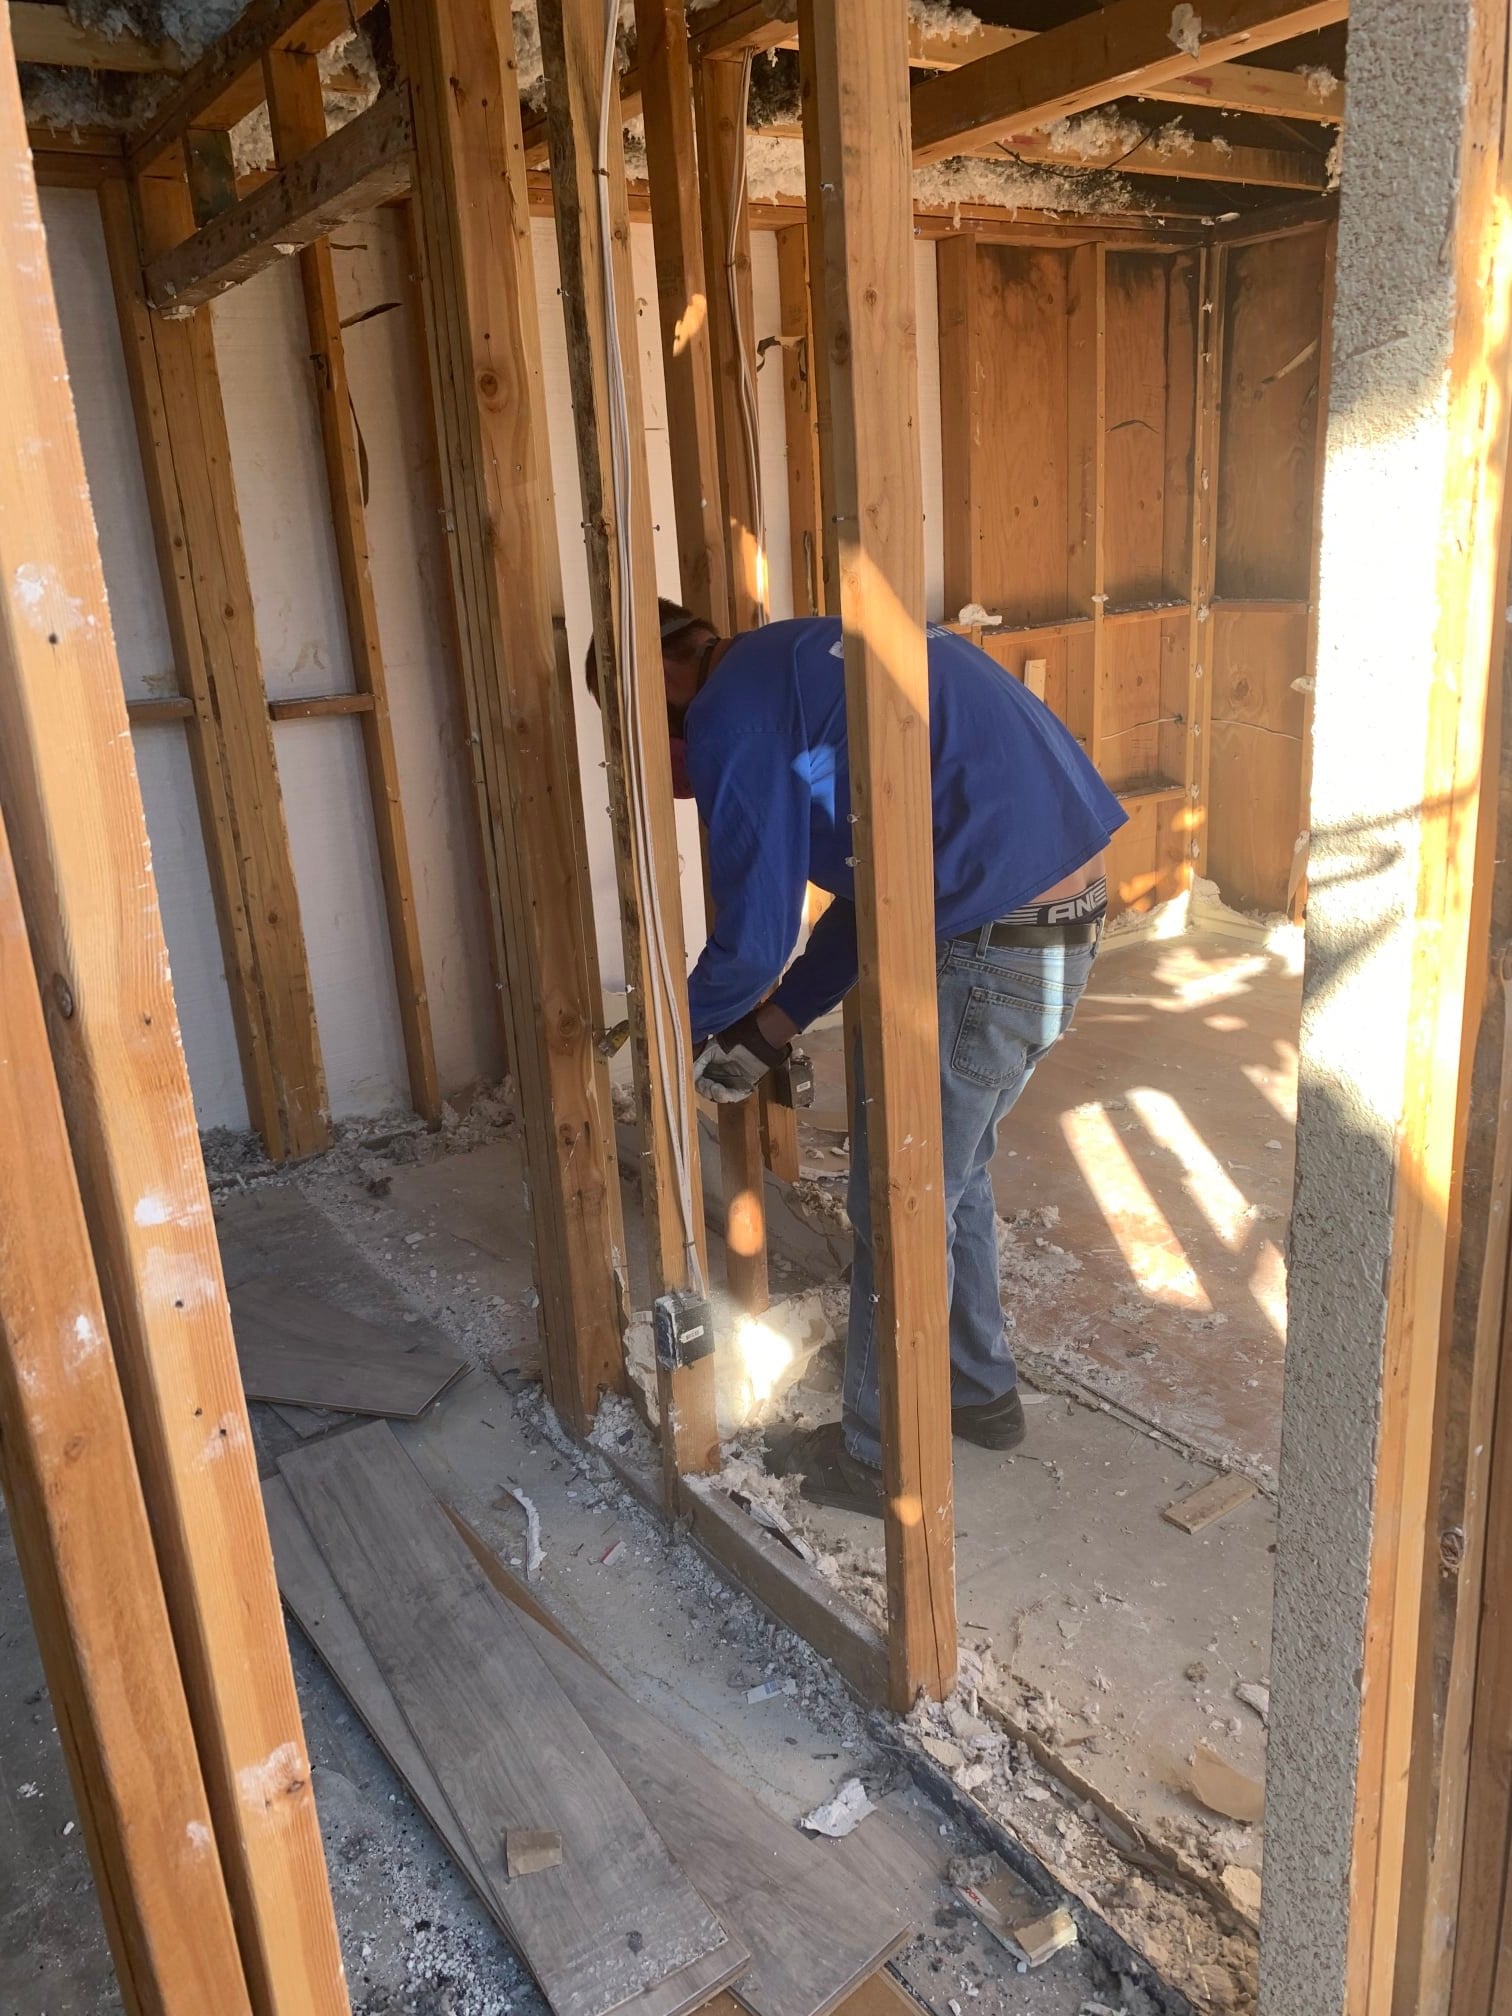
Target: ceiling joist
{"type": "Point", "coordinates": [1130, 48]}
{"type": "Point", "coordinates": [1174, 154]}
{"type": "Point", "coordinates": [48, 34]}
{"type": "Point", "coordinates": [737, 25]}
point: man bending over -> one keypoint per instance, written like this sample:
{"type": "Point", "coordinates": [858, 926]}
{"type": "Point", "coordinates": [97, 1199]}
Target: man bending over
{"type": "Point", "coordinates": [1021, 818]}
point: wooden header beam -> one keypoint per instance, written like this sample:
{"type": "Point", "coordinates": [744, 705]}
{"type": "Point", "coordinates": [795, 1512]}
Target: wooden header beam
{"type": "Point", "coordinates": [859, 79]}
{"type": "Point", "coordinates": [362, 164]}
{"type": "Point", "coordinates": [1120, 50]}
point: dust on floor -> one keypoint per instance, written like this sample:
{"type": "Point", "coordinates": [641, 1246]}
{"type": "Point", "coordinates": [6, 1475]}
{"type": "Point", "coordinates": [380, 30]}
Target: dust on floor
{"type": "Point", "coordinates": [1118, 1638]}
{"type": "Point", "coordinates": [414, 1939]}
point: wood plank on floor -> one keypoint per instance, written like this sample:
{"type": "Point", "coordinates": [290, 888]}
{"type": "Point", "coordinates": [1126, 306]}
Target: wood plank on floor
{"type": "Point", "coordinates": [310, 1593]}
{"type": "Point", "coordinates": [298, 1348]}
{"type": "Point", "coordinates": [1213, 1501]}
{"type": "Point", "coordinates": [813, 1931]}
{"type": "Point", "coordinates": [505, 1745]}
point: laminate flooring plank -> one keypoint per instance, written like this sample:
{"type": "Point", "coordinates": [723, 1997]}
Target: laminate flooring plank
{"type": "Point", "coordinates": [506, 1746]}
{"type": "Point", "coordinates": [307, 1421]}
{"type": "Point", "coordinates": [310, 1593]}
{"type": "Point", "coordinates": [294, 1347]}
{"type": "Point", "coordinates": [814, 1931]}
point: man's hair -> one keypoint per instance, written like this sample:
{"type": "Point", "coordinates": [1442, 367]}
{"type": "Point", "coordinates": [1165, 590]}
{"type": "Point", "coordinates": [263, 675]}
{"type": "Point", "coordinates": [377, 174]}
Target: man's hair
{"type": "Point", "coordinates": [674, 620]}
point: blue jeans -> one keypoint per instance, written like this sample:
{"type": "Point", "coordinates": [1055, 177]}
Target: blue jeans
{"type": "Point", "coordinates": [1001, 1010]}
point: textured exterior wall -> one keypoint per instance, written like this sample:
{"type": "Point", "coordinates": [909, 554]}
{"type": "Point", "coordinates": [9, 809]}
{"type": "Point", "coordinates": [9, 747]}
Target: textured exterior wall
{"type": "Point", "coordinates": [1382, 497]}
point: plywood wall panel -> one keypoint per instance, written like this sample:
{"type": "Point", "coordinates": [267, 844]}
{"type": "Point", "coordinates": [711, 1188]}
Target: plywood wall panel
{"type": "Point", "coordinates": [1131, 703]}
{"type": "Point", "coordinates": [1022, 475]}
{"type": "Point", "coordinates": [1267, 469]}
{"type": "Point", "coordinates": [1134, 558]}
{"type": "Point", "coordinates": [1257, 754]}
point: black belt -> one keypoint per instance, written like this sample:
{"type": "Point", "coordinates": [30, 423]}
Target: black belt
{"type": "Point", "coordinates": [1004, 935]}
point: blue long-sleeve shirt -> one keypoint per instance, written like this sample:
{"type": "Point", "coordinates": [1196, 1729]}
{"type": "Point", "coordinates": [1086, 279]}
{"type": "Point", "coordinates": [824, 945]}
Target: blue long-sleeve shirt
{"type": "Point", "coordinates": [1017, 807]}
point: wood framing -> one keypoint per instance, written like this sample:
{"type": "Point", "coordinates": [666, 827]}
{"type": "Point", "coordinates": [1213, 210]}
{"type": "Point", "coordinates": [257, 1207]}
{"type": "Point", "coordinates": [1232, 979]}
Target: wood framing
{"type": "Point", "coordinates": [960, 373]}
{"type": "Point", "coordinates": [297, 116]}
{"type": "Point", "coordinates": [1389, 1008]}
{"type": "Point", "coordinates": [186, 463]}
{"type": "Point", "coordinates": [1197, 770]}
{"type": "Point", "coordinates": [1316, 97]}
{"type": "Point", "coordinates": [359, 166]}
{"type": "Point", "coordinates": [85, 1549]}
{"type": "Point", "coordinates": [757, 1128]}
{"type": "Point", "coordinates": [719, 99]}
{"type": "Point", "coordinates": [859, 71]}
{"type": "Point", "coordinates": [1459, 1823]}
{"type": "Point", "coordinates": [688, 320]}
{"type": "Point", "coordinates": [472, 229]}
{"type": "Point", "coordinates": [70, 801]}
{"type": "Point", "coordinates": [226, 83]}
{"type": "Point", "coordinates": [627, 641]}
{"type": "Point", "coordinates": [210, 166]}
{"type": "Point", "coordinates": [49, 34]}
{"type": "Point", "coordinates": [1237, 87]}
{"type": "Point", "coordinates": [1123, 48]}
{"type": "Point", "coordinates": [1179, 158]}
{"type": "Point", "coordinates": [1173, 155]}
{"type": "Point", "coordinates": [819, 374]}
{"type": "Point", "coordinates": [800, 413]}
{"type": "Point", "coordinates": [1269, 329]}
{"type": "Point", "coordinates": [683, 300]}
{"type": "Point", "coordinates": [1086, 490]}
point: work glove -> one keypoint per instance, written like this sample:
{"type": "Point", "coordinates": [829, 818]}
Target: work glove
{"type": "Point", "coordinates": [732, 1064]}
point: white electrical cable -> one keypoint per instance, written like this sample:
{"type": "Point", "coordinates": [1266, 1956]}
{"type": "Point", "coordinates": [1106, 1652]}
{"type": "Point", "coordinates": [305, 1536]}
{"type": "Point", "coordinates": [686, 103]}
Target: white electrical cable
{"type": "Point", "coordinates": [748, 407]}
{"type": "Point", "coordinates": [676, 1078]}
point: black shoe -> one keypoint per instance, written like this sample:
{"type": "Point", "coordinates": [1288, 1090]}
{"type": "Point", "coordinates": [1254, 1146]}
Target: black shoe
{"type": "Point", "coordinates": [996, 1424]}
{"type": "Point", "coordinates": [830, 1474]}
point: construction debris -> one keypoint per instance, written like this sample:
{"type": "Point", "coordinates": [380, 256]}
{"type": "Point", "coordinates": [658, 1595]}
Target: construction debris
{"type": "Point", "coordinates": [1242, 1887]}
{"type": "Point", "coordinates": [535, 1553]}
{"type": "Point", "coordinates": [1214, 1501]}
{"type": "Point", "coordinates": [1016, 1917]}
{"type": "Point", "coordinates": [769, 1690]}
{"type": "Point", "coordinates": [841, 1815]}
{"type": "Point", "coordinates": [1254, 1694]}
{"type": "Point", "coordinates": [1225, 1789]}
